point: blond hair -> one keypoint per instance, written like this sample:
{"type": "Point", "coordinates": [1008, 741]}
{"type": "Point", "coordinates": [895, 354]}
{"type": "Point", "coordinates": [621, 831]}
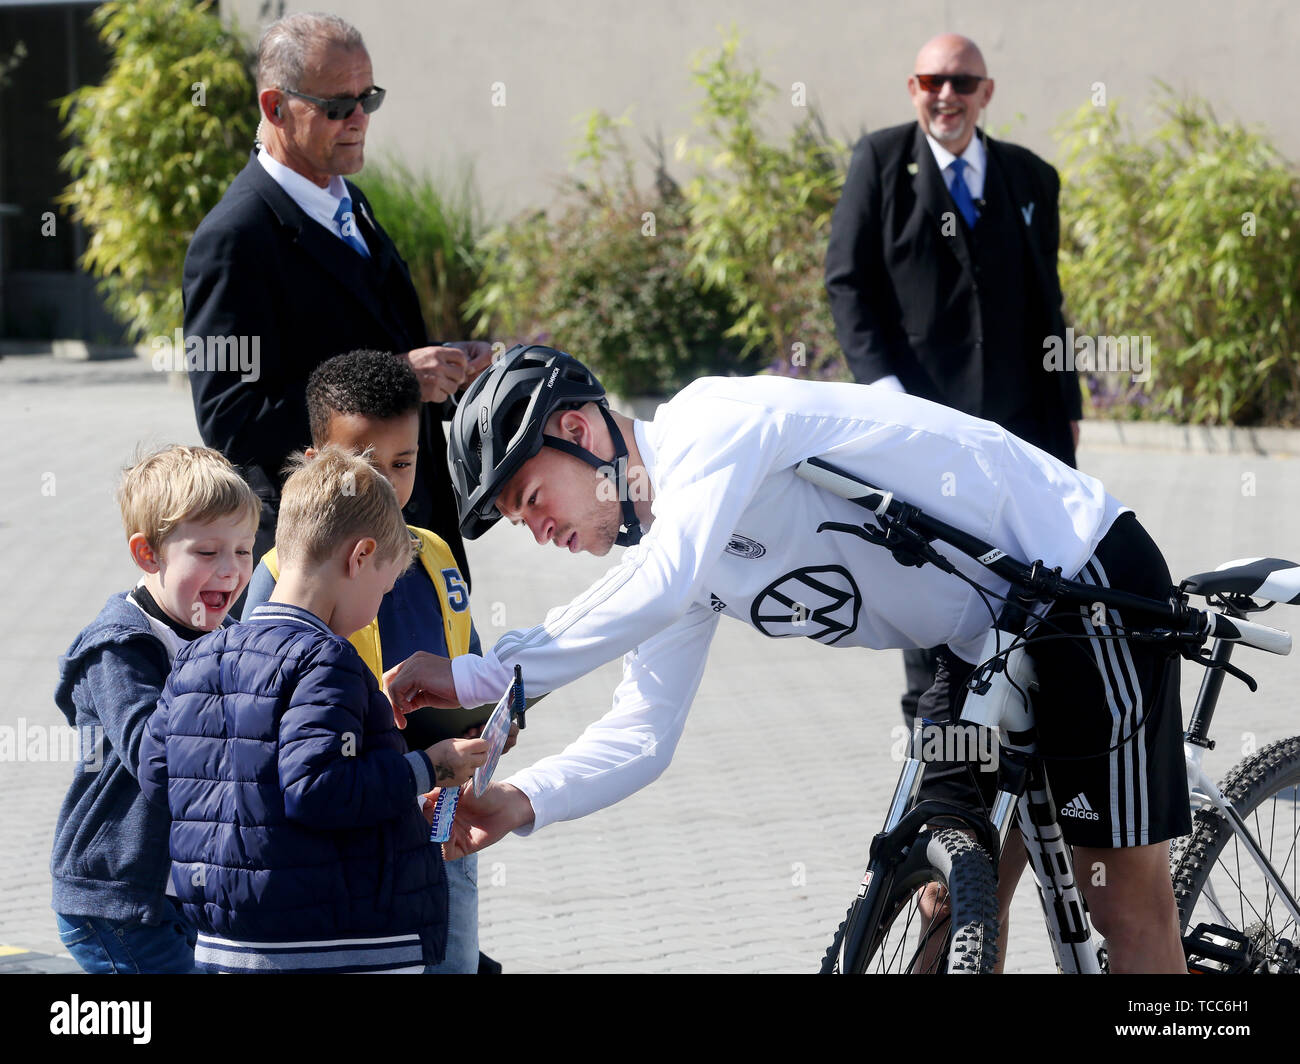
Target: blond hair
{"type": "Point", "coordinates": [180, 483]}
{"type": "Point", "coordinates": [333, 498]}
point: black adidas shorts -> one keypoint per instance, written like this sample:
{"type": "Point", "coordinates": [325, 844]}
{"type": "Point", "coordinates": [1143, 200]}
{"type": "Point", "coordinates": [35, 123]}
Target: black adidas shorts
{"type": "Point", "coordinates": [1094, 693]}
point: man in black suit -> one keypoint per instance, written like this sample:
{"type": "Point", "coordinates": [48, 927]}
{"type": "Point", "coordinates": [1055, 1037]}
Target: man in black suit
{"type": "Point", "coordinates": [942, 279]}
{"type": "Point", "coordinates": [952, 296]}
{"type": "Point", "coordinates": [941, 269]}
{"type": "Point", "coordinates": [293, 260]}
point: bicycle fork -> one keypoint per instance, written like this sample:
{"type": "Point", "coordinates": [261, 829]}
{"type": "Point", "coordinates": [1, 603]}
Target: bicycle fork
{"type": "Point", "coordinates": [1052, 862]}
{"type": "Point", "coordinates": [1000, 704]}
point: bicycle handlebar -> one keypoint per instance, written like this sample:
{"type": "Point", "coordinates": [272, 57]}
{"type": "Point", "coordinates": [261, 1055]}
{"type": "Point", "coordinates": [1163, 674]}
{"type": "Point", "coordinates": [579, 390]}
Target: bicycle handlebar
{"type": "Point", "coordinates": [1036, 582]}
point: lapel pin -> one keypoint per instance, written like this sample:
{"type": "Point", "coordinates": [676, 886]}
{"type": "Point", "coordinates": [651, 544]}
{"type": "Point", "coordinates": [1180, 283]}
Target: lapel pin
{"type": "Point", "coordinates": [912, 169]}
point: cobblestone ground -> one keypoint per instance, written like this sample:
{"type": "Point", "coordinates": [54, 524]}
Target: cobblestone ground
{"type": "Point", "coordinates": [741, 858]}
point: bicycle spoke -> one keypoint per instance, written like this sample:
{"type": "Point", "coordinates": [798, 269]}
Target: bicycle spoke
{"type": "Point", "coordinates": [1241, 891]}
{"type": "Point", "coordinates": [1213, 897]}
{"type": "Point", "coordinates": [902, 938]}
{"type": "Point", "coordinates": [1290, 857]}
{"type": "Point", "coordinates": [1268, 886]}
{"type": "Point", "coordinates": [895, 953]}
{"type": "Point", "coordinates": [925, 941]}
{"type": "Point", "coordinates": [1295, 840]}
{"type": "Point", "coordinates": [1241, 895]}
{"type": "Point", "coordinates": [913, 913]}
{"type": "Point", "coordinates": [886, 966]}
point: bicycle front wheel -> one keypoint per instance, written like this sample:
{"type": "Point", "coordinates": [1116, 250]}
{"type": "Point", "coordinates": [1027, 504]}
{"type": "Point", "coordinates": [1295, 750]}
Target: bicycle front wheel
{"type": "Point", "coordinates": [1216, 880]}
{"type": "Point", "coordinates": [939, 913]}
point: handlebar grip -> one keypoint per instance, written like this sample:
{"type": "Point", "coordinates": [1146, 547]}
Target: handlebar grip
{"type": "Point", "coordinates": [1260, 636]}
{"type": "Point", "coordinates": [817, 472]}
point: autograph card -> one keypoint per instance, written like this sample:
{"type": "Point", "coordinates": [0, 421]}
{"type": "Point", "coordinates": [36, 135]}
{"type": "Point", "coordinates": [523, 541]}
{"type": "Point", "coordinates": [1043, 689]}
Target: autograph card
{"type": "Point", "coordinates": [496, 731]}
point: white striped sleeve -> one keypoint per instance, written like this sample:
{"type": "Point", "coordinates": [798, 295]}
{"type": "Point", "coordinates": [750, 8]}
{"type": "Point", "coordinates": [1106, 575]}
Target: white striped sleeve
{"type": "Point", "coordinates": [625, 606]}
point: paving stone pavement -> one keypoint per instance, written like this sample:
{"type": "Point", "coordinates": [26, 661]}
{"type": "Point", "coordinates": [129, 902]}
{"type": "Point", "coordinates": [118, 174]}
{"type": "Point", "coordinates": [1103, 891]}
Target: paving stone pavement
{"type": "Point", "coordinates": [742, 857]}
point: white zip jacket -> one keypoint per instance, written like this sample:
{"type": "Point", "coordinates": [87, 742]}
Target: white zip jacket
{"type": "Point", "coordinates": [735, 533]}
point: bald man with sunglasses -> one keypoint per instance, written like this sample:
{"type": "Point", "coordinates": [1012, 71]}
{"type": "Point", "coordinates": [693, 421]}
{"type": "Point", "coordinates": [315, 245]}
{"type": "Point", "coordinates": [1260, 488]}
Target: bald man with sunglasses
{"type": "Point", "coordinates": [941, 269]}
{"type": "Point", "coordinates": [293, 260]}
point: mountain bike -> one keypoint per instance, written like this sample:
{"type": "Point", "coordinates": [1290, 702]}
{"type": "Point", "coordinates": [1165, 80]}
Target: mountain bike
{"type": "Point", "coordinates": [928, 899]}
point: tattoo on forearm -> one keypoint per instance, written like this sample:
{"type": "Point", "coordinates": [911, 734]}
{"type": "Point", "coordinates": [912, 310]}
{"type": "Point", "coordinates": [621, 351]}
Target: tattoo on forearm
{"type": "Point", "coordinates": [442, 773]}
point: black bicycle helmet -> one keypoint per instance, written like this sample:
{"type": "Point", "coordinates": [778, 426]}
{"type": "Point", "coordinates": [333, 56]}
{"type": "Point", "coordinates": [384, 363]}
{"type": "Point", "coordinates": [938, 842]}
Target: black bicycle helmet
{"type": "Point", "coordinates": [499, 424]}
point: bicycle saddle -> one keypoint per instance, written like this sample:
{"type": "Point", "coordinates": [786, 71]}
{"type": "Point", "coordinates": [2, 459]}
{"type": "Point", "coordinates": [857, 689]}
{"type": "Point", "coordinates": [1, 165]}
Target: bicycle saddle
{"type": "Point", "coordinates": [1266, 579]}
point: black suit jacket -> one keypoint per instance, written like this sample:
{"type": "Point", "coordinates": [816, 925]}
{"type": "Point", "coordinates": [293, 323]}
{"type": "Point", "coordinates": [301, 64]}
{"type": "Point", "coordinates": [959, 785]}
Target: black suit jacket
{"type": "Point", "coordinates": [903, 294]}
{"type": "Point", "coordinates": [259, 266]}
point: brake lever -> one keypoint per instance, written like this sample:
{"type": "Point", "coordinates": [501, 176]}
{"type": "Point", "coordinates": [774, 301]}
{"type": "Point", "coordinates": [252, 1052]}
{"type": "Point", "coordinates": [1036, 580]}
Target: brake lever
{"type": "Point", "coordinates": [866, 532]}
{"type": "Point", "coordinates": [1226, 666]}
{"type": "Point", "coordinates": [908, 546]}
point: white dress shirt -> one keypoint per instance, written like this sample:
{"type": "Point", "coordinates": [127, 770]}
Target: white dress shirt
{"type": "Point", "coordinates": [319, 204]}
{"type": "Point", "coordinates": [976, 160]}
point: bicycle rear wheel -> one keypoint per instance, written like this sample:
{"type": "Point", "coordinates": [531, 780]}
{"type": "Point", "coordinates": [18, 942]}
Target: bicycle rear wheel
{"type": "Point", "coordinates": [962, 936]}
{"type": "Point", "coordinates": [1217, 882]}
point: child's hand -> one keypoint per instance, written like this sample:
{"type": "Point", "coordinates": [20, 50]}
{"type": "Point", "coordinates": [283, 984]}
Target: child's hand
{"type": "Point", "coordinates": [474, 731]}
{"type": "Point", "coordinates": [427, 802]}
{"type": "Point", "coordinates": [454, 760]}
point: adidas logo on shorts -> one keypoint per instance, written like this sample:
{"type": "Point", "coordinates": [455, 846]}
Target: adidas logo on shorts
{"type": "Point", "coordinates": [1079, 809]}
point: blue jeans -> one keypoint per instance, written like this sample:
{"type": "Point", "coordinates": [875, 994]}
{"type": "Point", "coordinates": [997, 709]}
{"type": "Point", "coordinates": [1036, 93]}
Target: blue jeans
{"type": "Point", "coordinates": [108, 947]}
{"type": "Point", "coordinates": [462, 919]}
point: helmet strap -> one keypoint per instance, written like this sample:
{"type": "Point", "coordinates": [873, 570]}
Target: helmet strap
{"type": "Point", "coordinates": [630, 534]}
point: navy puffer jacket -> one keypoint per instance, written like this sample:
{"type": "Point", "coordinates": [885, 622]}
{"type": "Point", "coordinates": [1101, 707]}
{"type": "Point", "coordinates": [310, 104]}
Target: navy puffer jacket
{"type": "Point", "coordinates": [293, 801]}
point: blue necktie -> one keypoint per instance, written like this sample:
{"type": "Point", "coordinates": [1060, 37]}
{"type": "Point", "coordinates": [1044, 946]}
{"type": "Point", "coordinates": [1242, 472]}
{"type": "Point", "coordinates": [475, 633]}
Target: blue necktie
{"type": "Point", "coordinates": [961, 192]}
{"type": "Point", "coordinates": [347, 226]}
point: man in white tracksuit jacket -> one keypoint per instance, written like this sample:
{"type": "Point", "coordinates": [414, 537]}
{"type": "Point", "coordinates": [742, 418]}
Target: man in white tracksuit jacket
{"type": "Point", "coordinates": [722, 525]}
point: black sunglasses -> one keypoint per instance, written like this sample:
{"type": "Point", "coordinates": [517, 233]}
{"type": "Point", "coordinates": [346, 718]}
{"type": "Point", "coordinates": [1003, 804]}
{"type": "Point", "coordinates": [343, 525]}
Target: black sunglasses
{"type": "Point", "coordinates": [962, 84]}
{"type": "Point", "coordinates": [342, 106]}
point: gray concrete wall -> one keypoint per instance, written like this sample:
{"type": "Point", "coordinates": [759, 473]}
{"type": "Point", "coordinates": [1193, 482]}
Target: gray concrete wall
{"type": "Point", "coordinates": [562, 58]}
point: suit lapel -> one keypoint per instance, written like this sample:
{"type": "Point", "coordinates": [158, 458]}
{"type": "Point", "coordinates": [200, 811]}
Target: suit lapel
{"type": "Point", "coordinates": [932, 194]}
{"type": "Point", "coordinates": [382, 253]}
{"type": "Point", "coordinates": [329, 252]}
{"type": "Point", "coordinates": [388, 276]}
{"type": "Point", "coordinates": [1019, 194]}
{"type": "Point", "coordinates": [1021, 202]}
